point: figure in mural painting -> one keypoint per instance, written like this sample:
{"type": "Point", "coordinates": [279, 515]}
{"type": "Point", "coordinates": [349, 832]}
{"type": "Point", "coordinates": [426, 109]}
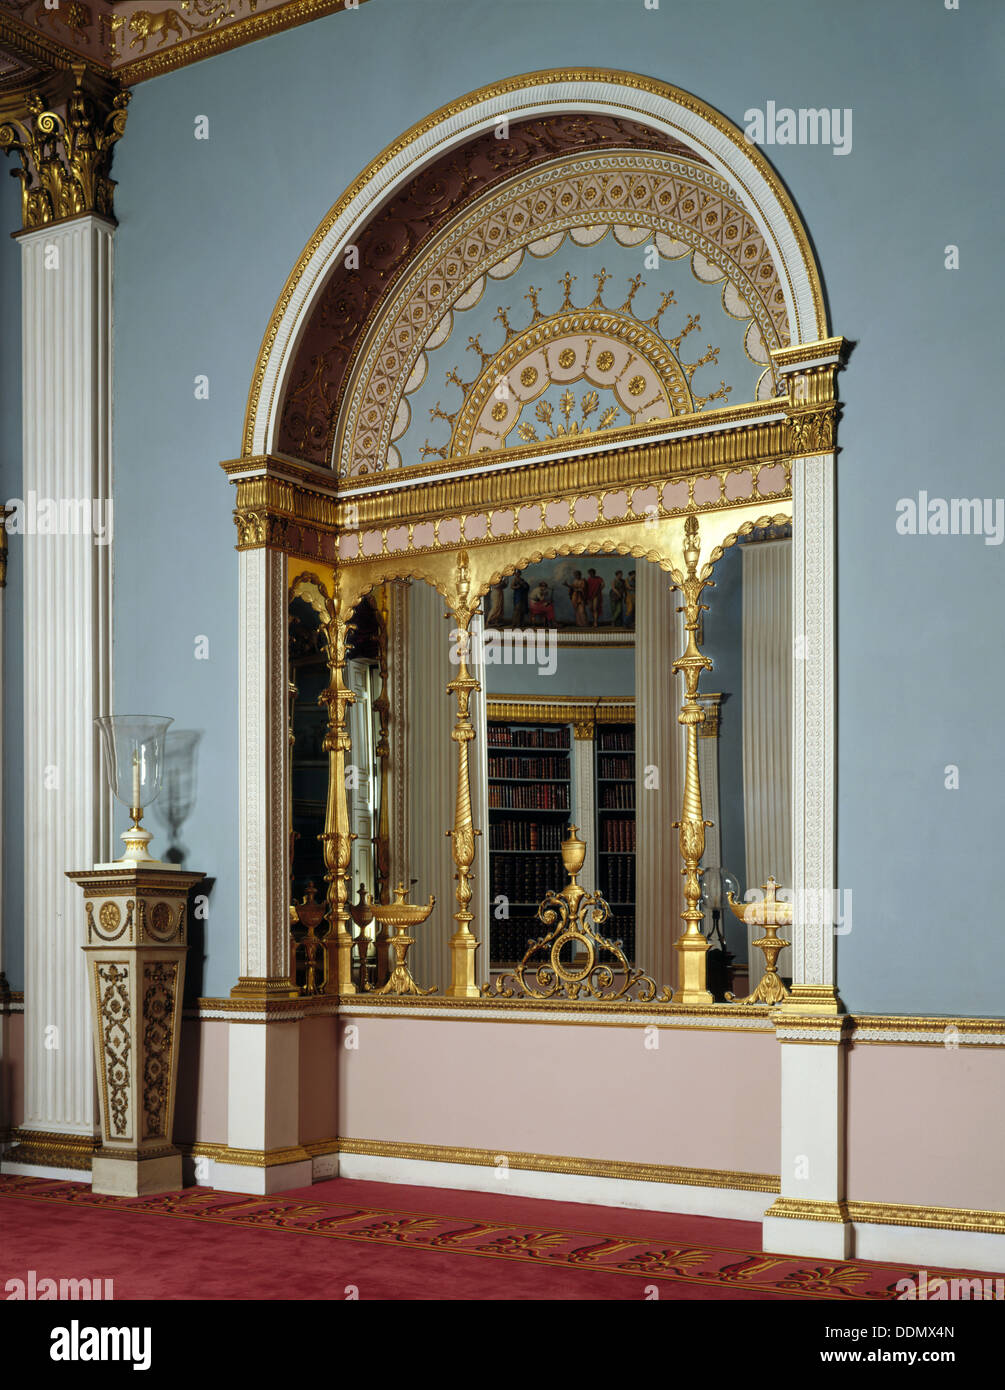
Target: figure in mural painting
{"type": "Point", "coordinates": [630, 600]}
{"type": "Point", "coordinates": [594, 595]}
{"type": "Point", "coordinates": [577, 597]}
{"type": "Point", "coordinates": [618, 591]}
{"type": "Point", "coordinates": [542, 604]}
{"type": "Point", "coordinates": [495, 613]}
{"type": "Point", "coordinates": [520, 589]}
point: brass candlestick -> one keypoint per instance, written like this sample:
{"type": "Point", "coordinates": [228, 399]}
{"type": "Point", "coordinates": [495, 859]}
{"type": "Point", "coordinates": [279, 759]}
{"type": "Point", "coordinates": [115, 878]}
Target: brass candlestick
{"type": "Point", "coordinates": [401, 914]}
{"type": "Point", "coordinates": [769, 914]}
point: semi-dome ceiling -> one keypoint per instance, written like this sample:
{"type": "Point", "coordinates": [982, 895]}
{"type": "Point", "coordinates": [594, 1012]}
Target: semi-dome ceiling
{"type": "Point", "coordinates": [583, 273]}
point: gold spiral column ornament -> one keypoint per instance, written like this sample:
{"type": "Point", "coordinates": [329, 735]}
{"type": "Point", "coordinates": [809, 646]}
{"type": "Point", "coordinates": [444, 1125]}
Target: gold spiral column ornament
{"type": "Point", "coordinates": [337, 838]}
{"type": "Point", "coordinates": [692, 945]}
{"type": "Point", "coordinates": [463, 943]}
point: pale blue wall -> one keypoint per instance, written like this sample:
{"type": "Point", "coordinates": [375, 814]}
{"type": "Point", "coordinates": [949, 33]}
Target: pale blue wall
{"type": "Point", "coordinates": [209, 232]}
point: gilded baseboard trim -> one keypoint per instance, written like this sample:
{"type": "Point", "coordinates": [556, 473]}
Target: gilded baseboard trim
{"type": "Point", "coordinates": [247, 1158]}
{"type": "Point", "coordinates": [891, 1214]}
{"type": "Point", "coordinates": [552, 1163]}
{"type": "Point", "coordinates": [936, 1218]}
{"type": "Point", "coordinates": [804, 1209]}
{"type": "Point", "coordinates": [47, 1149]}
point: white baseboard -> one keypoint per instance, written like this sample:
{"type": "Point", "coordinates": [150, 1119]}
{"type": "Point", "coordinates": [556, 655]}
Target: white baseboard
{"type": "Point", "coordinates": [40, 1170]}
{"type": "Point", "coordinates": [929, 1248]}
{"type": "Point", "coordinates": [730, 1203]}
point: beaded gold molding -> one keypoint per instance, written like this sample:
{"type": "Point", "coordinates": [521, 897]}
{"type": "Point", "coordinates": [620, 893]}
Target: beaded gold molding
{"type": "Point", "coordinates": [552, 1163]}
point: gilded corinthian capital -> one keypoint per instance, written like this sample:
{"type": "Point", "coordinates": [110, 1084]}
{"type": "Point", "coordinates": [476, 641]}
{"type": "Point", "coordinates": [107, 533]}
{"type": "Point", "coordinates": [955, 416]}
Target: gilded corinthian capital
{"type": "Point", "coordinates": [66, 153]}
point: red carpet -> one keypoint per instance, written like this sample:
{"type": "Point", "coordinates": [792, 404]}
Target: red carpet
{"type": "Point", "coordinates": [391, 1242]}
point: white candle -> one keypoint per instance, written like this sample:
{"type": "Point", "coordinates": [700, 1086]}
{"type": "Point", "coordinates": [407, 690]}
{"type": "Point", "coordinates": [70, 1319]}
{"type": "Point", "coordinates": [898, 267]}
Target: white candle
{"type": "Point", "coordinates": [136, 778]}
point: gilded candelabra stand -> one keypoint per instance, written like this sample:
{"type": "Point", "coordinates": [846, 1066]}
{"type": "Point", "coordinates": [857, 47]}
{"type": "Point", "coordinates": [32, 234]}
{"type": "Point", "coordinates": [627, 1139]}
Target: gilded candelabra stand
{"type": "Point", "coordinates": [770, 914]}
{"type": "Point", "coordinates": [403, 916]}
{"type": "Point", "coordinates": [309, 914]}
{"type": "Point", "coordinates": [574, 916]}
{"type": "Point", "coordinates": [362, 914]}
{"type": "Point", "coordinates": [692, 944]}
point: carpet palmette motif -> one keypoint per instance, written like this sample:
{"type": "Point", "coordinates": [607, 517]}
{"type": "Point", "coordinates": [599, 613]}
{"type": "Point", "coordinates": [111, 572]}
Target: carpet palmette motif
{"type": "Point", "coordinates": [698, 1264]}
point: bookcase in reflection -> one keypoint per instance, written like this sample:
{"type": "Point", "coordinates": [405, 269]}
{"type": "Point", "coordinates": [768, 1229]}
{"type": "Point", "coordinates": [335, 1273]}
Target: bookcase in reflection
{"type": "Point", "coordinates": [529, 806]}
{"type": "Point", "coordinates": [615, 765]}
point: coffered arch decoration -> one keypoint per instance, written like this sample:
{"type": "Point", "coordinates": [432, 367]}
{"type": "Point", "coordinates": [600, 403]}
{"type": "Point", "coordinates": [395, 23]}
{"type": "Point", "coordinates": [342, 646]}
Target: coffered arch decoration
{"type": "Point", "coordinates": [689, 180]}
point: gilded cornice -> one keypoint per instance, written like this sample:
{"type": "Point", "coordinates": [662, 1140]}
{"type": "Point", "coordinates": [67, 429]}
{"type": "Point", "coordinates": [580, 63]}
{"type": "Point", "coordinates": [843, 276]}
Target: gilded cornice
{"type": "Point", "coordinates": [106, 33]}
{"type": "Point", "coordinates": [562, 709]}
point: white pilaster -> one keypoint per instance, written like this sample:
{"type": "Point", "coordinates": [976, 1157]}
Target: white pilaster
{"type": "Point", "coordinates": [659, 775]}
{"type": "Point", "coordinates": [767, 726]}
{"type": "Point", "coordinates": [813, 694]}
{"type": "Point", "coordinates": [66, 356]}
{"type": "Point", "coordinates": [809, 1217]}
{"type": "Point", "coordinates": [265, 771]}
{"type": "Point", "coordinates": [432, 757]}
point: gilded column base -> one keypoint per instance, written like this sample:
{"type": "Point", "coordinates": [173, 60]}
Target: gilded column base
{"type": "Point", "coordinates": [45, 1149]}
{"type": "Point", "coordinates": [812, 999]}
{"type": "Point", "coordinates": [801, 1226]}
{"type": "Point", "coordinates": [693, 964]}
{"type": "Point", "coordinates": [462, 967]}
{"type": "Point", "coordinates": [340, 955]}
{"type": "Point", "coordinates": [253, 987]}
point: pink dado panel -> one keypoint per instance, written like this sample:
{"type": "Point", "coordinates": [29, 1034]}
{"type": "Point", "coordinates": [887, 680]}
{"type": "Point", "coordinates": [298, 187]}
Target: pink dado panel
{"type": "Point", "coordinates": [577, 1092]}
{"type": "Point", "coordinates": [926, 1127]}
{"type": "Point", "coordinates": [201, 1107]}
{"type": "Point", "coordinates": [318, 1079]}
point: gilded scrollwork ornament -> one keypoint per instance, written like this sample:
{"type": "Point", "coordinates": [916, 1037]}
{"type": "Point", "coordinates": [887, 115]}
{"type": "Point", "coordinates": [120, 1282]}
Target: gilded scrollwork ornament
{"type": "Point", "coordinates": [574, 917]}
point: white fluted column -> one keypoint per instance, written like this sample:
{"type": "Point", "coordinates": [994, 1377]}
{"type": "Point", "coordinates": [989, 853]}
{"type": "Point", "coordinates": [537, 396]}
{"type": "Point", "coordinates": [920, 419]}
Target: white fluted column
{"type": "Point", "coordinates": [584, 813]}
{"type": "Point", "coordinates": [432, 756]}
{"type": "Point", "coordinates": [767, 726]}
{"type": "Point", "coordinates": [265, 771]}
{"type": "Point", "coordinates": [66, 356]}
{"type": "Point", "coordinates": [659, 772]}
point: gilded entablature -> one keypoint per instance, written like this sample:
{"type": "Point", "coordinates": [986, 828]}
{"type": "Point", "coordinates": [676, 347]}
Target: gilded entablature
{"type": "Point", "coordinates": [139, 39]}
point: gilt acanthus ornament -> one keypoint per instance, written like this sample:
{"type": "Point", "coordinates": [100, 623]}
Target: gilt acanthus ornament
{"type": "Point", "coordinates": [66, 159]}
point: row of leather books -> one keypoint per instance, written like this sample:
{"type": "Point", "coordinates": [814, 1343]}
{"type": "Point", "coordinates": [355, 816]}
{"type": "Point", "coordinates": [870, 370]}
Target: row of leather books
{"type": "Point", "coordinates": [525, 835]}
{"type": "Point", "coordinates": [508, 940]}
{"type": "Point", "coordinates": [524, 880]}
{"type": "Point", "coordinates": [553, 766]}
{"type": "Point", "coordinates": [617, 835]}
{"type": "Point", "coordinates": [612, 765]}
{"type": "Point", "coordinates": [533, 796]}
{"type": "Point", "coordinates": [503, 736]}
{"type": "Point", "coordinates": [617, 878]}
{"type": "Point", "coordinates": [615, 738]}
{"type": "Point", "coordinates": [618, 796]}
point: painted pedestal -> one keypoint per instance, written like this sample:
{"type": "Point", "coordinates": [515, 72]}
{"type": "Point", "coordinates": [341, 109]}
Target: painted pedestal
{"type": "Point", "coordinates": [136, 944]}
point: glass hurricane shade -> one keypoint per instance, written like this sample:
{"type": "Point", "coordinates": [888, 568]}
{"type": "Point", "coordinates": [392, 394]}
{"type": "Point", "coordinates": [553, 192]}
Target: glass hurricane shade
{"type": "Point", "coordinates": [133, 747]}
{"type": "Point", "coordinates": [716, 884]}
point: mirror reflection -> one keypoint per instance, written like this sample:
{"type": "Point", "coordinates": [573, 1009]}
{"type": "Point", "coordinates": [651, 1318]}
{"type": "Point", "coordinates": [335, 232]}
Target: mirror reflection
{"type": "Point", "coordinates": [576, 724]}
